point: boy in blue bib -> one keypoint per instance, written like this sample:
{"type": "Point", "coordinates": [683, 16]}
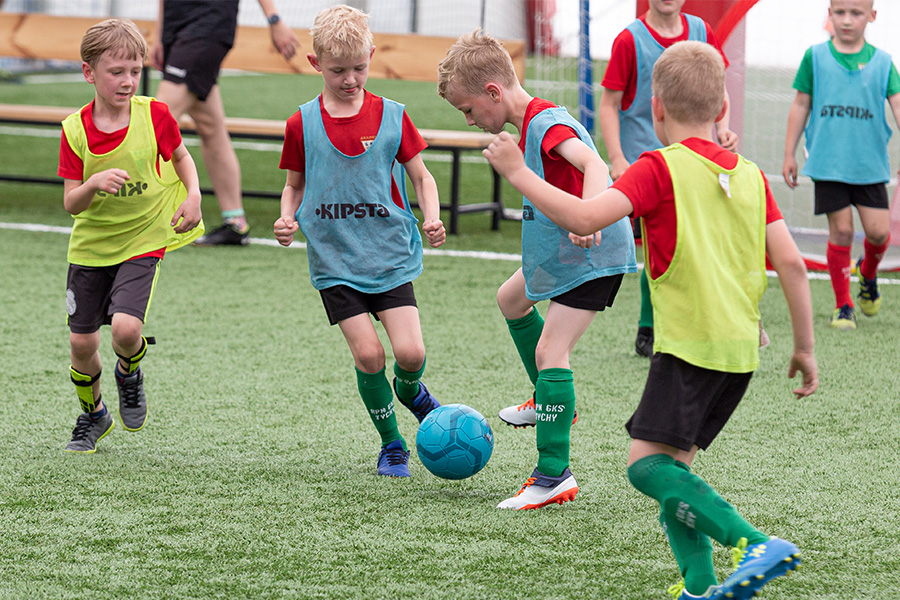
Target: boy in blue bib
{"type": "Point", "coordinates": [579, 275]}
{"type": "Point", "coordinates": [841, 88]}
{"type": "Point", "coordinates": [345, 153]}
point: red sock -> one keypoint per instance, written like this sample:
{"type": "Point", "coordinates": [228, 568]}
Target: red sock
{"type": "Point", "coordinates": [872, 257]}
{"type": "Point", "coordinates": [838, 258]}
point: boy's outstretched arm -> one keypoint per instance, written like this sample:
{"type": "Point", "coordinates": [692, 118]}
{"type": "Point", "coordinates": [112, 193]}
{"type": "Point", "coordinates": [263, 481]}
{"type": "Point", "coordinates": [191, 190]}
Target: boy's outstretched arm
{"type": "Point", "coordinates": [189, 210]}
{"type": "Point", "coordinates": [291, 197]}
{"type": "Point", "coordinates": [596, 177]}
{"type": "Point", "coordinates": [427, 197]}
{"type": "Point", "coordinates": [797, 117]}
{"type": "Point", "coordinates": [581, 217]}
{"type": "Point", "coordinates": [788, 263]}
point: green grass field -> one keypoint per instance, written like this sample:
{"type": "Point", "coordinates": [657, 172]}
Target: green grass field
{"type": "Point", "coordinates": [255, 476]}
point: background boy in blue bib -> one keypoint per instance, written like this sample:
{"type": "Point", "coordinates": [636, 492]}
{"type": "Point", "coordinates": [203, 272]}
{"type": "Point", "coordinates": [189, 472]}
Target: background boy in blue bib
{"type": "Point", "coordinates": [841, 88]}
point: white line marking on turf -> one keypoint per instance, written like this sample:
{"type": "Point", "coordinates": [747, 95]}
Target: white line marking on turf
{"type": "Point", "coordinates": [38, 228]}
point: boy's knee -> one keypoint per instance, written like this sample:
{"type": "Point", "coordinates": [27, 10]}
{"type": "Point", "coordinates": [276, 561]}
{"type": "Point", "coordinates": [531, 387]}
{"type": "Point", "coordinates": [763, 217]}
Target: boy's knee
{"type": "Point", "coordinates": [370, 358]}
{"type": "Point", "coordinates": [410, 358]}
{"type": "Point", "coordinates": [84, 345]}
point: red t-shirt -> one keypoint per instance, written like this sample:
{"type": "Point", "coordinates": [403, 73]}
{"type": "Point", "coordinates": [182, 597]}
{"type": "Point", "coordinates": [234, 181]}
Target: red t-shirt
{"type": "Point", "coordinates": [351, 135]}
{"type": "Point", "coordinates": [557, 170]}
{"type": "Point", "coordinates": [168, 138]}
{"type": "Point", "coordinates": [648, 185]}
{"type": "Point", "coordinates": [621, 74]}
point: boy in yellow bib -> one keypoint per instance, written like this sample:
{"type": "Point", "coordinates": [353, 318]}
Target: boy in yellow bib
{"type": "Point", "coordinates": [133, 190]}
{"type": "Point", "coordinates": [711, 220]}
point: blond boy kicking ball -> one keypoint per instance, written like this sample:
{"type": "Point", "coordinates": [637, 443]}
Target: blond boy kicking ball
{"type": "Point", "coordinates": [712, 221]}
{"type": "Point", "coordinates": [346, 192]}
{"type": "Point", "coordinates": [579, 275]}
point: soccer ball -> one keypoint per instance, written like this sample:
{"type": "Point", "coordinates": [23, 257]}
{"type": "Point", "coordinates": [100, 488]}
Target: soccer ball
{"type": "Point", "coordinates": [454, 441]}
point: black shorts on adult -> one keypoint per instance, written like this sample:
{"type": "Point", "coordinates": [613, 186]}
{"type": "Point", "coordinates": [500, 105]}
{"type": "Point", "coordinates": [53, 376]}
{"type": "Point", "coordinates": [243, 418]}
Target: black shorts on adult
{"type": "Point", "coordinates": [832, 196]}
{"type": "Point", "coordinates": [684, 405]}
{"type": "Point", "coordinates": [596, 294]}
{"type": "Point", "coordinates": [342, 301]}
{"type": "Point", "coordinates": [194, 62]}
{"type": "Point", "coordinates": [95, 294]}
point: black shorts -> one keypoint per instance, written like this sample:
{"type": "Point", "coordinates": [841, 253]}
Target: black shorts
{"type": "Point", "coordinates": [596, 294]}
{"type": "Point", "coordinates": [194, 62]}
{"type": "Point", "coordinates": [95, 294]}
{"type": "Point", "coordinates": [684, 405]}
{"type": "Point", "coordinates": [832, 196]}
{"type": "Point", "coordinates": [342, 301]}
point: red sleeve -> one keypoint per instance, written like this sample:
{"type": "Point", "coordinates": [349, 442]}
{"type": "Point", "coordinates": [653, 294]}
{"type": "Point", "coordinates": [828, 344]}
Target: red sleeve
{"type": "Point", "coordinates": [555, 136]}
{"type": "Point", "coordinates": [620, 71]}
{"type": "Point", "coordinates": [70, 165]}
{"type": "Point", "coordinates": [773, 213]}
{"type": "Point", "coordinates": [168, 135]}
{"type": "Point", "coordinates": [411, 141]}
{"type": "Point", "coordinates": [713, 41]}
{"type": "Point", "coordinates": [293, 157]}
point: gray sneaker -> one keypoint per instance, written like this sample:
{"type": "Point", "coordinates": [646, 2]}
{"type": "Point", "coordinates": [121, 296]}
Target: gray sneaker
{"type": "Point", "coordinates": [88, 432]}
{"type": "Point", "coordinates": [132, 400]}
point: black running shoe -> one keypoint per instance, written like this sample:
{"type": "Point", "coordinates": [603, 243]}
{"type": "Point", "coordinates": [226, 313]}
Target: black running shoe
{"type": "Point", "coordinates": [226, 235]}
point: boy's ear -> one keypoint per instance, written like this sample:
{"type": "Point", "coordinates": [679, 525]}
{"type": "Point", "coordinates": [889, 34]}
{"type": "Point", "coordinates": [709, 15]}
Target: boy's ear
{"type": "Point", "coordinates": [724, 110]}
{"type": "Point", "coordinates": [372, 53]}
{"type": "Point", "coordinates": [494, 91]}
{"type": "Point", "coordinates": [88, 72]}
{"type": "Point", "coordinates": [314, 61]}
{"type": "Point", "coordinates": [659, 110]}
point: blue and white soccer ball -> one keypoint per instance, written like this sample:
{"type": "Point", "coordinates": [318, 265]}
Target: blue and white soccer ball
{"type": "Point", "coordinates": [454, 441]}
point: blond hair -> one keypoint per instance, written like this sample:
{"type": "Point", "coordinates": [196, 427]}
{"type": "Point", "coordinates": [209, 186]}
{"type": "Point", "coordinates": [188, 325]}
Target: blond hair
{"type": "Point", "coordinates": [689, 79]}
{"type": "Point", "coordinates": [342, 32]}
{"type": "Point", "coordinates": [119, 36]}
{"type": "Point", "coordinates": [474, 60]}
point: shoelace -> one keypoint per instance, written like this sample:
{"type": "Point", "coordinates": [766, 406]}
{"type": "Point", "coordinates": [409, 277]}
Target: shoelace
{"type": "Point", "coordinates": [527, 405]}
{"type": "Point", "coordinates": [395, 457]}
{"type": "Point", "coordinates": [738, 552]}
{"type": "Point", "coordinates": [130, 394]}
{"type": "Point", "coordinates": [82, 427]}
{"type": "Point", "coordinates": [675, 590]}
{"type": "Point", "coordinates": [528, 483]}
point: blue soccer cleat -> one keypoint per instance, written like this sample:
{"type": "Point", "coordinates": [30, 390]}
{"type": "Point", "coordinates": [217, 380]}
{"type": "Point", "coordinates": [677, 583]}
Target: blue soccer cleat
{"type": "Point", "coordinates": [422, 404]}
{"type": "Point", "coordinates": [393, 460]}
{"type": "Point", "coordinates": [760, 564]}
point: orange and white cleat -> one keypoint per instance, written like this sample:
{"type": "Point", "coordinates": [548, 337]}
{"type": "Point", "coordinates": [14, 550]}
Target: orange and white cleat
{"type": "Point", "coordinates": [540, 490]}
{"type": "Point", "coordinates": [523, 415]}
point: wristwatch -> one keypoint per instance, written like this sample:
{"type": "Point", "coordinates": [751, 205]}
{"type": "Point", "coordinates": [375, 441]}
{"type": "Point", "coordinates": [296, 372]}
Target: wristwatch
{"type": "Point", "coordinates": [274, 19]}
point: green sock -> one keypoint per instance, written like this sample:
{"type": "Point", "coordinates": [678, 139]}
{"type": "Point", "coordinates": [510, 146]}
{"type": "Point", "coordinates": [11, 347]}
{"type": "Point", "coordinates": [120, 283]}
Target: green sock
{"type": "Point", "coordinates": [688, 499]}
{"type": "Point", "coordinates": [646, 306]}
{"type": "Point", "coordinates": [525, 333]}
{"type": "Point", "coordinates": [554, 403]}
{"type": "Point", "coordinates": [379, 400]}
{"type": "Point", "coordinates": [407, 383]}
{"type": "Point", "coordinates": [693, 551]}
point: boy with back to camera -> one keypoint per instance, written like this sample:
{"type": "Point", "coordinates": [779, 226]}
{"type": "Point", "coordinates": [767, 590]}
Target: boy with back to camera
{"type": "Point", "coordinates": [712, 220]}
{"type": "Point", "coordinates": [624, 112]}
{"type": "Point", "coordinates": [578, 275]}
{"type": "Point", "coordinates": [841, 88]}
{"type": "Point", "coordinates": [345, 192]}
{"type": "Point", "coordinates": [133, 191]}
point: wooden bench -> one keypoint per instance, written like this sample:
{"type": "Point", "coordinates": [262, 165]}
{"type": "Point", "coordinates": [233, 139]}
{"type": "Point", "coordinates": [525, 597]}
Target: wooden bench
{"type": "Point", "coordinates": [399, 56]}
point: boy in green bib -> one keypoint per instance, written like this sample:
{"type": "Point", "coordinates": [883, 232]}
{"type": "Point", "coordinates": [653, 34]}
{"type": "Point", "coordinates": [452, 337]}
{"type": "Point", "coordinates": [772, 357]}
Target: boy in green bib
{"type": "Point", "coordinates": [712, 221]}
{"type": "Point", "coordinates": [133, 191]}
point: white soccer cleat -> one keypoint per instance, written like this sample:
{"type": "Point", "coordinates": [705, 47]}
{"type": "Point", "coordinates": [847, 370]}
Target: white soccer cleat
{"type": "Point", "coordinates": [523, 415]}
{"type": "Point", "coordinates": [540, 490]}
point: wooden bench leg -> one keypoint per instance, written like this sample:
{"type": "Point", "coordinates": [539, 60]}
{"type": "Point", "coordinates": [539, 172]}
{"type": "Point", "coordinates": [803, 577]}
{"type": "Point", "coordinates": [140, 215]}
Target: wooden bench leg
{"type": "Point", "coordinates": [454, 192]}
